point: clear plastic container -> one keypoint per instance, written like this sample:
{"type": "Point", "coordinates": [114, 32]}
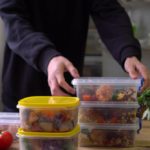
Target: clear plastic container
{"type": "Point", "coordinates": [9, 115]}
{"type": "Point", "coordinates": [48, 113]}
{"type": "Point", "coordinates": [107, 89]}
{"type": "Point", "coordinates": [48, 141]}
{"type": "Point", "coordinates": [11, 125]}
{"type": "Point", "coordinates": [101, 113]}
{"type": "Point", "coordinates": [107, 136]}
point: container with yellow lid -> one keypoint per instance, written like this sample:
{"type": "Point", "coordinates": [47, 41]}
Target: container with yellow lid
{"type": "Point", "coordinates": [48, 140]}
{"type": "Point", "coordinates": [48, 113]}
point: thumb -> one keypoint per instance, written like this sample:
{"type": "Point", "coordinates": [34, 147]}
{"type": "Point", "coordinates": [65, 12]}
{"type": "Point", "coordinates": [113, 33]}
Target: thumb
{"type": "Point", "coordinates": [72, 70]}
{"type": "Point", "coordinates": [133, 74]}
{"type": "Point", "coordinates": [132, 71]}
{"type": "Point", "coordinates": [131, 67]}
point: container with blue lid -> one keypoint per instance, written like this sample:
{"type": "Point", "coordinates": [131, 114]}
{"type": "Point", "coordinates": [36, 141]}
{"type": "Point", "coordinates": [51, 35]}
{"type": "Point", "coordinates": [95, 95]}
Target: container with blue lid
{"type": "Point", "coordinates": [107, 89]}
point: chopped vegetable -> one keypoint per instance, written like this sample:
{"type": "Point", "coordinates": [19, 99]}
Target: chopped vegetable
{"type": "Point", "coordinates": [144, 101]}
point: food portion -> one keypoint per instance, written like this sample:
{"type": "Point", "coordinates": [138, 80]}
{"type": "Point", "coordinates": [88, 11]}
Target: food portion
{"type": "Point", "coordinates": [107, 115]}
{"type": "Point", "coordinates": [48, 144]}
{"type": "Point", "coordinates": [107, 89]}
{"type": "Point", "coordinates": [48, 140]}
{"type": "Point", "coordinates": [48, 113]}
{"type": "Point", "coordinates": [104, 93]}
{"type": "Point", "coordinates": [144, 101]}
{"type": "Point", "coordinates": [107, 92]}
{"type": "Point", "coordinates": [107, 137]}
{"type": "Point", "coordinates": [48, 120]}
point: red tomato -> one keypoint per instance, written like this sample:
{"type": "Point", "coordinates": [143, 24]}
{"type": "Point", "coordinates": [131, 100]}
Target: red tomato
{"type": "Point", "coordinates": [6, 140]}
{"type": "Point", "coordinates": [86, 97]}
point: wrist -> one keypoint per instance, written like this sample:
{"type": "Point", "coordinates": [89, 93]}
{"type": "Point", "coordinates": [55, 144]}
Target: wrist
{"type": "Point", "coordinates": [131, 58]}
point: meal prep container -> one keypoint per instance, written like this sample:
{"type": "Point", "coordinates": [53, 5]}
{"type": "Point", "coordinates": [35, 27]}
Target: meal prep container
{"type": "Point", "coordinates": [107, 136]}
{"type": "Point", "coordinates": [107, 89]}
{"type": "Point", "coordinates": [48, 113]}
{"type": "Point", "coordinates": [101, 113]}
{"type": "Point", "coordinates": [9, 115]}
{"type": "Point", "coordinates": [11, 125]}
{"type": "Point", "coordinates": [48, 141]}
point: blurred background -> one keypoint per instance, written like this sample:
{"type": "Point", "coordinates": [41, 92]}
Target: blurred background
{"type": "Point", "coordinates": [97, 58]}
{"type": "Point", "coordinates": [98, 61]}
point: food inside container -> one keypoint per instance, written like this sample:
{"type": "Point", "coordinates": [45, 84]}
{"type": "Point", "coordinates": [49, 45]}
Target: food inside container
{"type": "Point", "coordinates": [101, 113]}
{"type": "Point", "coordinates": [107, 89]}
{"type": "Point", "coordinates": [48, 113]}
{"type": "Point", "coordinates": [48, 141]}
{"type": "Point", "coordinates": [11, 125]}
{"type": "Point", "coordinates": [107, 136]}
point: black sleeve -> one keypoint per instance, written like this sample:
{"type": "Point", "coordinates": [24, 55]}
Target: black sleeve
{"type": "Point", "coordinates": [115, 29]}
{"type": "Point", "coordinates": [34, 47]}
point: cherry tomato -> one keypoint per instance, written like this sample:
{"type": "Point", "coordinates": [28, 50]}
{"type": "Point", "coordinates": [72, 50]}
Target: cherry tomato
{"type": "Point", "coordinates": [86, 97]}
{"type": "Point", "coordinates": [6, 140]}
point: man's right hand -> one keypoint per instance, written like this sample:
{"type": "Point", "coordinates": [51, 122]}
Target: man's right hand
{"type": "Point", "coordinates": [56, 80]}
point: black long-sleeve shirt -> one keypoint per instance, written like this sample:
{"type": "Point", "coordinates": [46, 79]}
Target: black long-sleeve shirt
{"type": "Point", "coordinates": [38, 30]}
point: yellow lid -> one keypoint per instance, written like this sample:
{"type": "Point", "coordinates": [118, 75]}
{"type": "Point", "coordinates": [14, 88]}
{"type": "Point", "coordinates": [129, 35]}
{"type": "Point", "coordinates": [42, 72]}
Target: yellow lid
{"type": "Point", "coordinates": [69, 134]}
{"type": "Point", "coordinates": [48, 101]}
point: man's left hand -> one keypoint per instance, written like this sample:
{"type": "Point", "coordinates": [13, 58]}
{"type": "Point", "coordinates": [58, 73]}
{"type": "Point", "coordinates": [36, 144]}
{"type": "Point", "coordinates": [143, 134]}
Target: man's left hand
{"type": "Point", "coordinates": [137, 69]}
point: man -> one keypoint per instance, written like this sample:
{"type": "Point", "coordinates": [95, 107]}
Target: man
{"type": "Point", "coordinates": [47, 38]}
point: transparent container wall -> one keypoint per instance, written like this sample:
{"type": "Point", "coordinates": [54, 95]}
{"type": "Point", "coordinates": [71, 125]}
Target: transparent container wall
{"type": "Point", "coordinates": [48, 119]}
{"type": "Point", "coordinates": [108, 115]}
{"type": "Point", "coordinates": [9, 115]}
{"type": "Point", "coordinates": [107, 93]}
{"type": "Point", "coordinates": [9, 122]}
{"type": "Point", "coordinates": [31, 143]}
{"type": "Point", "coordinates": [107, 136]}
{"type": "Point", "coordinates": [107, 89]}
{"type": "Point", "coordinates": [10, 125]}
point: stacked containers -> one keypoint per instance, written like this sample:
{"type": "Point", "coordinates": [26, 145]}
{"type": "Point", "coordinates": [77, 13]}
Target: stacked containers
{"type": "Point", "coordinates": [107, 113]}
{"type": "Point", "coordinates": [48, 122]}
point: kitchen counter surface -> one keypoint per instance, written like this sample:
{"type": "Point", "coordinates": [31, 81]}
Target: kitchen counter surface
{"type": "Point", "coordinates": [142, 141]}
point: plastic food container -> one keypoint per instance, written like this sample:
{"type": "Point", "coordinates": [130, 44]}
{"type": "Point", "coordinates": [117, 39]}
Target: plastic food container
{"type": "Point", "coordinates": [107, 89]}
{"type": "Point", "coordinates": [48, 113]}
{"type": "Point", "coordinates": [11, 125]}
{"type": "Point", "coordinates": [48, 141]}
{"type": "Point", "coordinates": [9, 115]}
{"type": "Point", "coordinates": [101, 113]}
{"type": "Point", "coordinates": [107, 136]}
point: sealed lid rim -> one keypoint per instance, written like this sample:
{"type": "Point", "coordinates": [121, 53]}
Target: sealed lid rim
{"type": "Point", "coordinates": [109, 104]}
{"type": "Point", "coordinates": [48, 101]}
{"type": "Point", "coordinates": [22, 133]}
{"type": "Point", "coordinates": [9, 115]}
{"type": "Point", "coordinates": [105, 80]}
{"type": "Point", "coordinates": [109, 127]}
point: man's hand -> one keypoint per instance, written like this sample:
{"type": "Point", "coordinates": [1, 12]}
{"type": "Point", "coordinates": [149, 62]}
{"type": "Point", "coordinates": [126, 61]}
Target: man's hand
{"type": "Point", "coordinates": [56, 69]}
{"type": "Point", "coordinates": [136, 69]}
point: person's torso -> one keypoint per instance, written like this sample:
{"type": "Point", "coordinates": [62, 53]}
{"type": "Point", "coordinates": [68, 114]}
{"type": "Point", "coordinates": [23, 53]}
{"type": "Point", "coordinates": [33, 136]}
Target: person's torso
{"type": "Point", "coordinates": [65, 23]}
